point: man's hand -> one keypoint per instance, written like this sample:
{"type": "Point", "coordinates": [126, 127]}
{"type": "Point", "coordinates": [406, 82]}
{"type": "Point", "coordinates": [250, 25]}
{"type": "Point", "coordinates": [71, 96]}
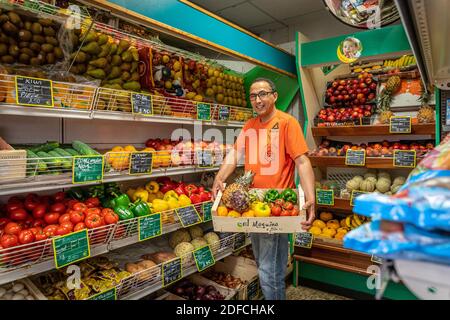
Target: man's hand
{"type": "Point", "coordinates": [217, 185]}
{"type": "Point", "coordinates": [310, 213]}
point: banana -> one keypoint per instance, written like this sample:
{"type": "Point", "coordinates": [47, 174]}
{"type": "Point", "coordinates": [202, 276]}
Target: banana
{"type": "Point", "coordinates": [354, 224]}
{"type": "Point", "coordinates": [348, 222]}
{"type": "Point", "coordinates": [357, 220]}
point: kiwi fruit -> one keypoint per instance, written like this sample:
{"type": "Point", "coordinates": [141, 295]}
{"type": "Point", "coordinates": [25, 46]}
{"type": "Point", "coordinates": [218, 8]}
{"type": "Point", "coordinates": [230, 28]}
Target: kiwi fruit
{"type": "Point", "coordinates": [49, 32]}
{"type": "Point", "coordinates": [36, 28]}
{"type": "Point", "coordinates": [28, 51]}
{"type": "Point", "coordinates": [28, 25]}
{"type": "Point", "coordinates": [8, 59]}
{"type": "Point", "coordinates": [25, 35]}
{"type": "Point", "coordinates": [3, 49]}
{"type": "Point", "coordinates": [41, 57]}
{"type": "Point", "coordinates": [35, 46]}
{"type": "Point", "coordinates": [10, 28]}
{"type": "Point", "coordinates": [50, 58]}
{"type": "Point", "coordinates": [12, 41]}
{"type": "Point", "coordinates": [52, 41]}
{"type": "Point", "coordinates": [13, 50]}
{"type": "Point", "coordinates": [4, 18]}
{"type": "Point", "coordinates": [24, 44]}
{"type": "Point", "coordinates": [39, 39]}
{"type": "Point", "coordinates": [58, 53]}
{"type": "Point", "coordinates": [3, 38]}
{"type": "Point", "coordinates": [35, 61]}
{"type": "Point", "coordinates": [24, 58]}
{"type": "Point", "coordinates": [45, 22]}
{"type": "Point", "coordinates": [46, 47]}
{"type": "Point", "coordinates": [14, 18]}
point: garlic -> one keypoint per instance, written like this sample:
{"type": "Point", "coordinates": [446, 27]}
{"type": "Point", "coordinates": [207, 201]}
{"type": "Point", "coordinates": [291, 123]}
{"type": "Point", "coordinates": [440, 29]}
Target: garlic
{"type": "Point", "coordinates": [17, 287]}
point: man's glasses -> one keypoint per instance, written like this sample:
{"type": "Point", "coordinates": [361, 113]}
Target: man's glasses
{"type": "Point", "coordinates": [262, 95]}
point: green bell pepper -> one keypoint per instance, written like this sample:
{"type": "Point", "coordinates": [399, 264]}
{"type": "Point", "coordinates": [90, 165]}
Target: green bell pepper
{"type": "Point", "coordinates": [96, 191]}
{"type": "Point", "coordinates": [289, 195]}
{"type": "Point", "coordinates": [121, 200]}
{"type": "Point", "coordinates": [107, 202]}
{"type": "Point", "coordinates": [123, 212]}
{"type": "Point", "coordinates": [76, 193]}
{"type": "Point", "coordinates": [271, 195]}
{"type": "Point", "coordinates": [140, 208]}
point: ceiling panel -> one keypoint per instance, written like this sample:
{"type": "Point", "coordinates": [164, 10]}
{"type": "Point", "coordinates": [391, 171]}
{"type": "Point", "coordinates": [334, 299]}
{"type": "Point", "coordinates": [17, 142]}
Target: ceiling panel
{"type": "Point", "coordinates": [266, 27]}
{"type": "Point", "coordinates": [246, 15]}
{"type": "Point", "coordinates": [216, 5]}
{"type": "Point", "coordinates": [282, 9]}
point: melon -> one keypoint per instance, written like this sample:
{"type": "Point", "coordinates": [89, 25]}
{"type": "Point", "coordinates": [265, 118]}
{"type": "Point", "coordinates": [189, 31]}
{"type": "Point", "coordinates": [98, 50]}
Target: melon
{"type": "Point", "coordinates": [178, 237]}
{"type": "Point", "coordinates": [383, 185]}
{"type": "Point", "coordinates": [326, 216]}
{"type": "Point", "coordinates": [199, 242]}
{"type": "Point", "coordinates": [395, 188]}
{"type": "Point", "coordinates": [319, 223]}
{"type": "Point", "coordinates": [352, 185]}
{"type": "Point", "coordinates": [315, 230]}
{"type": "Point", "coordinates": [333, 224]}
{"type": "Point", "coordinates": [372, 179]}
{"type": "Point", "coordinates": [183, 249]}
{"type": "Point", "coordinates": [370, 175]}
{"type": "Point", "coordinates": [329, 232]}
{"type": "Point", "coordinates": [358, 178]}
{"type": "Point", "coordinates": [399, 181]}
{"type": "Point", "coordinates": [367, 186]}
{"type": "Point", "coordinates": [384, 174]}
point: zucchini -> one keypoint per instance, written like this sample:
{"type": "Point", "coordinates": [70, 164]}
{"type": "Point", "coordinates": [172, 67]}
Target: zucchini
{"type": "Point", "coordinates": [52, 165]}
{"type": "Point", "coordinates": [83, 149]}
{"type": "Point", "coordinates": [46, 147]}
{"type": "Point", "coordinates": [67, 160]}
{"type": "Point", "coordinates": [34, 165]}
{"type": "Point", "coordinates": [72, 152]}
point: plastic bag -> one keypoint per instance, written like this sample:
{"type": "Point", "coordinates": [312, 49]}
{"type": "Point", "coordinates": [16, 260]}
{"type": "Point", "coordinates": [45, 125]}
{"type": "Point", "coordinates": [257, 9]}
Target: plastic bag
{"type": "Point", "coordinates": [411, 243]}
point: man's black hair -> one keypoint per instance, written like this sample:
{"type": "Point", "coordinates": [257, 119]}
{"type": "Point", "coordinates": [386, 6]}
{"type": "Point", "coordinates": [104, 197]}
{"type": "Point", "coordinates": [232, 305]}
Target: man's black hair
{"type": "Point", "coordinates": [272, 85]}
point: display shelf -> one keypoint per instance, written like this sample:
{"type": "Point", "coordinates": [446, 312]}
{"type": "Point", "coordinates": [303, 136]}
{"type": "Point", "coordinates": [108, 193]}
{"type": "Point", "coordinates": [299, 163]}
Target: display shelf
{"type": "Point", "coordinates": [371, 162]}
{"type": "Point", "coordinates": [339, 204]}
{"type": "Point", "coordinates": [375, 130]}
{"type": "Point", "coordinates": [333, 265]}
{"type": "Point", "coordinates": [26, 260]}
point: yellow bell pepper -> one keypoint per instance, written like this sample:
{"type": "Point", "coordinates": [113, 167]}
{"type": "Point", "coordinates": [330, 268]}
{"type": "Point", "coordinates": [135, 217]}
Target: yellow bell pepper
{"type": "Point", "coordinates": [159, 195]}
{"type": "Point", "coordinates": [152, 187]}
{"type": "Point", "coordinates": [159, 205]}
{"type": "Point", "coordinates": [140, 194]}
{"type": "Point", "coordinates": [262, 210]}
{"type": "Point", "coordinates": [130, 192]}
{"type": "Point", "coordinates": [170, 194]}
{"type": "Point", "coordinates": [173, 203]}
{"type": "Point", "coordinates": [151, 197]}
{"type": "Point", "coordinates": [184, 200]}
{"type": "Point", "coordinates": [254, 204]}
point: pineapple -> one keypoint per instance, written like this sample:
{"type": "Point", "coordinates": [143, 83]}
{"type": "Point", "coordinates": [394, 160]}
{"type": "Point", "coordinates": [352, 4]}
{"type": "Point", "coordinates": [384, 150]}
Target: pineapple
{"type": "Point", "coordinates": [426, 113]}
{"type": "Point", "coordinates": [386, 97]}
{"type": "Point", "coordinates": [236, 195]}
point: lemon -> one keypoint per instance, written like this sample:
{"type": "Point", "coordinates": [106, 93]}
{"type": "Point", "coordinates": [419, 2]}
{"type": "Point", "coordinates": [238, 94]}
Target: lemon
{"type": "Point", "coordinates": [319, 223]}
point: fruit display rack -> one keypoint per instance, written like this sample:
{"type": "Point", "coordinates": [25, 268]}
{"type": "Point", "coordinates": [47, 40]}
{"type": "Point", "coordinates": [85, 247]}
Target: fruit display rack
{"type": "Point", "coordinates": [375, 130]}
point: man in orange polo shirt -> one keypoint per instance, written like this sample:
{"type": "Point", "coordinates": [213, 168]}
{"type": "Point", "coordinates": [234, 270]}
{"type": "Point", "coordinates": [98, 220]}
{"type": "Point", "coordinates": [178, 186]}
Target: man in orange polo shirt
{"type": "Point", "coordinates": [273, 145]}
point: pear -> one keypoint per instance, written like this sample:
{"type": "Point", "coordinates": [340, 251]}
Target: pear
{"type": "Point", "coordinates": [97, 73]}
{"type": "Point", "coordinates": [123, 46]}
{"type": "Point", "coordinates": [99, 63]}
{"type": "Point", "coordinates": [92, 48]}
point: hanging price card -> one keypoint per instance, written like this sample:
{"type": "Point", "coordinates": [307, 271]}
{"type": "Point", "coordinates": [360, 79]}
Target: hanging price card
{"type": "Point", "coordinates": [207, 211]}
{"type": "Point", "coordinates": [400, 124]}
{"type": "Point", "coordinates": [325, 197]}
{"type": "Point", "coordinates": [239, 241]}
{"type": "Point", "coordinates": [355, 193]}
{"type": "Point", "coordinates": [110, 294]}
{"type": "Point", "coordinates": [87, 169]}
{"type": "Point", "coordinates": [141, 163]}
{"type": "Point", "coordinates": [405, 158]}
{"type": "Point", "coordinates": [224, 113]}
{"type": "Point", "coordinates": [205, 158]}
{"type": "Point", "coordinates": [203, 258]}
{"type": "Point", "coordinates": [203, 111]}
{"type": "Point", "coordinates": [355, 157]}
{"type": "Point", "coordinates": [142, 104]}
{"type": "Point", "coordinates": [34, 92]}
{"type": "Point", "coordinates": [71, 248]}
{"type": "Point", "coordinates": [188, 216]}
{"type": "Point", "coordinates": [304, 240]}
{"type": "Point", "coordinates": [149, 226]}
{"type": "Point", "coordinates": [172, 271]}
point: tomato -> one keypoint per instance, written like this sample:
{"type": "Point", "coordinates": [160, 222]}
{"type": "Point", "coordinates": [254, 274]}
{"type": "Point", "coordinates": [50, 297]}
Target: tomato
{"type": "Point", "coordinates": [79, 226]}
{"type": "Point", "coordinates": [59, 196]}
{"type": "Point", "coordinates": [35, 230]}
{"type": "Point", "coordinates": [68, 225]}
{"type": "Point", "coordinates": [93, 221]}
{"type": "Point", "coordinates": [18, 214]}
{"type": "Point", "coordinates": [3, 222]}
{"type": "Point", "coordinates": [90, 211]}
{"type": "Point", "coordinates": [285, 213]}
{"type": "Point", "coordinates": [288, 205]}
{"type": "Point", "coordinates": [29, 221]}
{"type": "Point", "coordinates": [9, 240]}
{"type": "Point", "coordinates": [295, 211]}
{"type": "Point", "coordinates": [92, 202]}
{"type": "Point", "coordinates": [279, 202]}
{"type": "Point", "coordinates": [58, 207]}
{"type": "Point", "coordinates": [70, 203]}
{"type": "Point", "coordinates": [14, 199]}
{"type": "Point", "coordinates": [61, 230]}
{"type": "Point", "coordinates": [275, 210]}
{"type": "Point", "coordinates": [79, 207]}
{"type": "Point", "coordinates": [41, 235]}
{"type": "Point", "coordinates": [13, 206]}
{"type": "Point", "coordinates": [50, 230]}
{"type": "Point", "coordinates": [51, 217]}
{"type": "Point", "coordinates": [38, 223]}
{"type": "Point", "coordinates": [64, 218]}
{"type": "Point", "coordinates": [13, 228]}
{"type": "Point", "coordinates": [110, 216]}
{"type": "Point", "coordinates": [31, 201]}
{"type": "Point", "coordinates": [76, 217]}
{"type": "Point", "coordinates": [46, 200]}
{"type": "Point", "coordinates": [39, 211]}
{"type": "Point", "coordinates": [26, 236]}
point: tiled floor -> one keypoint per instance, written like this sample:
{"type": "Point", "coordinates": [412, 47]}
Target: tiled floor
{"type": "Point", "coordinates": [304, 293]}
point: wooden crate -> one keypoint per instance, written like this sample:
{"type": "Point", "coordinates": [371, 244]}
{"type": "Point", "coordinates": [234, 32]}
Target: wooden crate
{"type": "Point", "coordinates": [13, 163]}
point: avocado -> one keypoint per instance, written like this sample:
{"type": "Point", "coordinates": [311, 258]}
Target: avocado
{"type": "Point", "coordinates": [58, 53]}
{"type": "Point", "coordinates": [14, 18]}
{"type": "Point", "coordinates": [126, 66]}
{"type": "Point", "coordinates": [28, 51]}
{"type": "Point", "coordinates": [132, 85]}
{"type": "Point", "coordinates": [36, 28]}
{"type": "Point", "coordinates": [25, 35]}
{"type": "Point", "coordinates": [39, 39]}
{"type": "Point", "coordinates": [3, 49]}
{"type": "Point", "coordinates": [97, 73]}
{"type": "Point", "coordinates": [36, 47]}
{"type": "Point", "coordinates": [13, 50]}
{"type": "Point", "coordinates": [52, 41]}
{"type": "Point", "coordinates": [24, 44]}
{"type": "Point", "coordinates": [10, 28]}
{"type": "Point", "coordinates": [8, 59]}
{"type": "Point", "coordinates": [116, 60]}
{"type": "Point", "coordinates": [24, 58]}
{"type": "Point", "coordinates": [99, 63]}
{"type": "Point", "coordinates": [135, 76]}
{"type": "Point", "coordinates": [46, 47]}
{"type": "Point", "coordinates": [125, 76]}
{"type": "Point", "coordinates": [49, 32]}
{"type": "Point", "coordinates": [35, 61]}
{"type": "Point", "coordinates": [50, 58]}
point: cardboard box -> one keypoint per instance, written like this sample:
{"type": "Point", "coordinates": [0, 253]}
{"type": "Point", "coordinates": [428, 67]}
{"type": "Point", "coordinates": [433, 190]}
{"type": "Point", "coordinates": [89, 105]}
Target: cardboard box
{"type": "Point", "coordinates": [260, 225]}
{"type": "Point", "coordinates": [245, 269]}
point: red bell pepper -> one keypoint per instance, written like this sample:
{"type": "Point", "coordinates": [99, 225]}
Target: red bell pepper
{"type": "Point", "coordinates": [180, 189]}
{"type": "Point", "coordinates": [205, 196]}
{"type": "Point", "coordinates": [201, 189]}
{"type": "Point", "coordinates": [162, 180]}
{"type": "Point", "coordinates": [195, 198]}
{"type": "Point", "coordinates": [190, 189]}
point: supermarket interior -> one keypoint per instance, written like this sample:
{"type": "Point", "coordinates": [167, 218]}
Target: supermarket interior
{"type": "Point", "coordinates": [224, 150]}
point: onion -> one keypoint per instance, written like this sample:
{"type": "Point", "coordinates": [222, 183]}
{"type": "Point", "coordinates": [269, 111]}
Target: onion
{"type": "Point", "coordinates": [179, 291]}
{"type": "Point", "coordinates": [18, 287]}
{"type": "Point", "coordinates": [207, 297]}
{"type": "Point", "coordinates": [210, 288]}
{"type": "Point", "coordinates": [200, 291]}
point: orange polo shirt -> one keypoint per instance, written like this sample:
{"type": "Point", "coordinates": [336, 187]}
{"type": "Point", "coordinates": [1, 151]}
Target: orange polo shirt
{"type": "Point", "coordinates": [270, 149]}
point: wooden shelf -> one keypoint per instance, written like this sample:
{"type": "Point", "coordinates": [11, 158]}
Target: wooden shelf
{"type": "Point", "coordinates": [373, 162]}
{"type": "Point", "coordinates": [333, 265]}
{"type": "Point", "coordinates": [339, 204]}
{"type": "Point", "coordinates": [376, 130]}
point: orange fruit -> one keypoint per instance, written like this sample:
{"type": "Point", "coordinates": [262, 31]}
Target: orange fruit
{"type": "Point", "coordinates": [234, 214]}
{"type": "Point", "coordinates": [222, 211]}
{"type": "Point", "coordinates": [249, 213]}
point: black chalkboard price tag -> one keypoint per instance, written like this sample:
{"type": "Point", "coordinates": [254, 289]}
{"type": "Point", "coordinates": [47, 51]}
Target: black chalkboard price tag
{"type": "Point", "coordinates": [400, 124]}
{"type": "Point", "coordinates": [34, 92]}
{"type": "Point", "coordinates": [405, 158]}
{"type": "Point", "coordinates": [205, 159]}
{"type": "Point", "coordinates": [239, 241]}
{"type": "Point", "coordinates": [224, 113]}
{"type": "Point", "coordinates": [355, 157]}
{"type": "Point", "coordinates": [141, 163]}
{"type": "Point", "coordinates": [355, 193]}
{"type": "Point", "coordinates": [325, 197]}
{"type": "Point", "coordinates": [142, 104]}
{"type": "Point", "coordinates": [188, 216]}
{"type": "Point", "coordinates": [304, 240]}
{"type": "Point", "coordinates": [172, 271]}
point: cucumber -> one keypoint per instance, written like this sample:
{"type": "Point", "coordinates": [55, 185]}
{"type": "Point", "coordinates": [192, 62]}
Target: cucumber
{"type": "Point", "coordinates": [50, 161]}
{"type": "Point", "coordinates": [46, 147]}
{"type": "Point", "coordinates": [72, 152]}
{"type": "Point", "coordinates": [58, 160]}
{"type": "Point", "coordinates": [83, 149]}
{"type": "Point", "coordinates": [34, 165]}
{"type": "Point", "coordinates": [67, 160]}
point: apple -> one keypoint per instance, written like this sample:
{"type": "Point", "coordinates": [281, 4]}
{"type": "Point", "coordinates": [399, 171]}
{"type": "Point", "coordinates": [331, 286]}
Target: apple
{"type": "Point", "coordinates": [371, 96]}
{"type": "Point", "coordinates": [340, 88]}
{"type": "Point", "coordinates": [336, 93]}
{"type": "Point", "coordinates": [323, 117]}
{"type": "Point", "coordinates": [365, 91]}
{"type": "Point", "coordinates": [362, 100]}
{"type": "Point", "coordinates": [355, 81]}
{"type": "Point", "coordinates": [385, 143]}
{"type": "Point", "coordinates": [346, 97]}
{"type": "Point", "coordinates": [331, 118]}
{"type": "Point", "coordinates": [334, 84]}
{"type": "Point", "coordinates": [362, 85]}
{"type": "Point", "coordinates": [358, 91]}
{"type": "Point", "coordinates": [340, 97]}
{"type": "Point", "coordinates": [367, 113]}
{"type": "Point", "coordinates": [429, 146]}
{"type": "Point", "coordinates": [356, 102]}
{"type": "Point", "coordinates": [323, 111]}
{"type": "Point", "coordinates": [344, 92]}
{"type": "Point", "coordinates": [404, 147]}
{"type": "Point", "coordinates": [368, 107]}
{"type": "Point", "coordinates": [342, 82]}
{"type": "Point", "coordinates": [368, 80]}
{"type": "Point", "coordinates": [373, 86]}
{"type": "Point", "coordinates": [359, 96]}
{"type": "Point", "coordinates": [355, 115]}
